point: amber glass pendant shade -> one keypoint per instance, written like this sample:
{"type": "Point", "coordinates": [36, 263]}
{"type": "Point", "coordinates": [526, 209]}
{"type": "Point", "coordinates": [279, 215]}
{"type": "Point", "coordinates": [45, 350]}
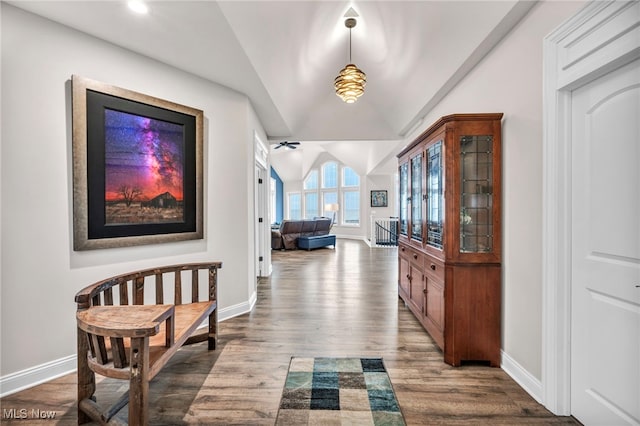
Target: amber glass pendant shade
{"type": "Point", "coordinates": [349, 84]}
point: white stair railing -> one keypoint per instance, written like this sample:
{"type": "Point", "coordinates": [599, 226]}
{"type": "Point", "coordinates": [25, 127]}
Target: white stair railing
{"type": "Point", "coordinates": [384, 232]}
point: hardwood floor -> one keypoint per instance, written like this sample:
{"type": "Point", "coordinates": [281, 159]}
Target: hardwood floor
{"type": "Point", "coordinates": [326, 302]}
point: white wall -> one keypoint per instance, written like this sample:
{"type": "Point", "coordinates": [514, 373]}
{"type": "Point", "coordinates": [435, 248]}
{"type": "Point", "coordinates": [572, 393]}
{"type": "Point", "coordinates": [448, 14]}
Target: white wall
{"type": "Point", "coordinates": [377, 183]}
{"type": "Point", "coordinates": [40, 271]}
{"type": "Point", "coordinates": [509, 80]}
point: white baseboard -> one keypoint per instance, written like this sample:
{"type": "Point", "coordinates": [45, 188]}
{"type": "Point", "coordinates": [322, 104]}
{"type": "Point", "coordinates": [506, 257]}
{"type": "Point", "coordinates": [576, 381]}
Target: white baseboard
{"type": "Point", "coordinates": [238, 309]}
{"type": "Point", "coordinates": [33, 376]}
{"type": "Point", "coordinates": [21, 380]}
{"type": "Point", "coordinates": [522, 377]}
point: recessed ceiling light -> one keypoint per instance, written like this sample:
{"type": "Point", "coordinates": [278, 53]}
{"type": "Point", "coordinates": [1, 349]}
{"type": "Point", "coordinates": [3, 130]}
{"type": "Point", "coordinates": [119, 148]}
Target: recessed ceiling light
{"type": "Point", "coordinates": [138, 7]}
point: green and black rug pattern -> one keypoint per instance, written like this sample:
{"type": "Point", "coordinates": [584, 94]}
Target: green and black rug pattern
{"type": "Point", "coordinates": [339, 391]}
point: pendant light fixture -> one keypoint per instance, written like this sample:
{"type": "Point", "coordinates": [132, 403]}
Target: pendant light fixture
{"type": "Point", "coordinates": [349, 84]}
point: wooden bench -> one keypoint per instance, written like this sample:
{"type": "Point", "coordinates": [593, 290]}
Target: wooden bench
{"type": "Point", "coordinates": [129, 334]}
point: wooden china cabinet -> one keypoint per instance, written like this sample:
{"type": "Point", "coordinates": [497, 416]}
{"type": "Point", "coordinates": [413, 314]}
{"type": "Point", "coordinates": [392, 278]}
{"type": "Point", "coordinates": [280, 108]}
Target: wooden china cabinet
{"type": "Point", "coordinates": [450, 243]}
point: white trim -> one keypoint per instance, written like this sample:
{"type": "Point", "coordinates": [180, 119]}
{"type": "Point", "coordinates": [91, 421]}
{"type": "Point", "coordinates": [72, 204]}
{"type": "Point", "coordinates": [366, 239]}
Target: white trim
{"type": "Point", "coordinates": [21, 380]}
{"type": "Point", "coordinates": [30, 377]}
{"type": "Point", "coordinates": [261, 151]}
{"type": "Point", "coordinates": [598, 39]}
{"type": "Point", "coordinates": [556, 243]}
{"type": "Point", "coordinates": [238, 309]}
{"type": "Point", "coordinates": [262, 200]}
{"type": "Point", "coordinates": [522, 377]}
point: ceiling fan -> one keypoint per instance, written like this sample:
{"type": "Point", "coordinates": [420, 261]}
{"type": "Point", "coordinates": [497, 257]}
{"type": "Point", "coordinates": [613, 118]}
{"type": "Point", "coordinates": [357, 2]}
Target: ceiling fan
{"type": "Point", "coordinates": [287, 144]}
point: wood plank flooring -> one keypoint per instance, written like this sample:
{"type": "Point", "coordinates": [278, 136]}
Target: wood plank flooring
{"type": "Point", "coordinates": [325, 302]}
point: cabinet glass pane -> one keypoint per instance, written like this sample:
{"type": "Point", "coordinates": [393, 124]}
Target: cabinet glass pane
{"type": "Point", "coordinates": [476, 194]}
{"type": "Point", "coordinates": [404, 198]}
{"type": "Point", "coordinates": [435, 200]}
{"type": "Point", "coordinates": [416, 198]}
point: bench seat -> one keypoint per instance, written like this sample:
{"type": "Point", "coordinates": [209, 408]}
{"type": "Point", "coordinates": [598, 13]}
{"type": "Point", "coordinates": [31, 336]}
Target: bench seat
{"type": "Point", "coordinates": [187, 318]}
{"type": "Point", "coordinates": [317, 241]}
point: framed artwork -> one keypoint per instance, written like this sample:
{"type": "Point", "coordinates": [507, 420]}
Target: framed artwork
{"type": "Point", "coordinates": [379, 198]}
{"type": "Point", "coordinates": [137, 168]}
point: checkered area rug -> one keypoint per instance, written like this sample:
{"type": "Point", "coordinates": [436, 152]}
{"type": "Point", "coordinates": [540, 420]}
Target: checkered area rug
{"type": "Point", "coordinates": [338, 391]}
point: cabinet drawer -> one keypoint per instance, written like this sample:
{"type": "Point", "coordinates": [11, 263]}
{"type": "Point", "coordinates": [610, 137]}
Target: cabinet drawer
{"type": "Point", "coordinates": [412, 255]}
{"type": "Point", "coordinates": [434, 268]}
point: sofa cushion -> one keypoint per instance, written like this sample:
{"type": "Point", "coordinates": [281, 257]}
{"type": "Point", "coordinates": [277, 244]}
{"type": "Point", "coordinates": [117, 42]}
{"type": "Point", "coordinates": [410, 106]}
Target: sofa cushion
{"type": "Point", "coordinates": [291, 227]}
{"type": "Point", "coordinates": [322, 226]}
{"type": "Point", "coordinates": [308, 227]}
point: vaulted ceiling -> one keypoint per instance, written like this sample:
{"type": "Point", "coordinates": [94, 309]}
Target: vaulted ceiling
{"type": "Point", "coordinates": [284, 55]}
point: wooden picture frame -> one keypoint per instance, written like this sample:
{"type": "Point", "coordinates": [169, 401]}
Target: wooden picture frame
{"type": "Point", "coordinates": [137, 168]}
{"type": "Point", "coordinates": [379, 198]}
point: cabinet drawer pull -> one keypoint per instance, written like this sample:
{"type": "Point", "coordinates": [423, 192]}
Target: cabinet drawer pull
{"type": "Point", "coordinates": [402, 248]}
{"type": "Point", "coordinates": [415, 256]}
{"type": "Point", "coordinates": [433, 266]}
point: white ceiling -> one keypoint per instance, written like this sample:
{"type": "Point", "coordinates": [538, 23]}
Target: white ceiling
{"type": "Point", "coordinates": [284, 55]}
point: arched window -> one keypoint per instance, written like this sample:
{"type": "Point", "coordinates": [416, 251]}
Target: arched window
{"type": "Point", "coordinates": [311, 195]}
{"type": "Point", "coordinates": [295, 205]}
{"type": "Point", "coordinates": [350, 178]}
{"type": "Point", "coordinates": [311, 182]}
{"type": "Point", "coordinates": [338, 186]}
{"type": "Point", "coordinates": [350, 196]}
{"type": "Point", "coordinates": [330, 175]}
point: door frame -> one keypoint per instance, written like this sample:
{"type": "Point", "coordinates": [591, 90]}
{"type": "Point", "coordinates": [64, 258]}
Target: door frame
{"type": "Point", "coordinates": [262, 233]}
{"type": "Point", "coordinates": [600, 38]}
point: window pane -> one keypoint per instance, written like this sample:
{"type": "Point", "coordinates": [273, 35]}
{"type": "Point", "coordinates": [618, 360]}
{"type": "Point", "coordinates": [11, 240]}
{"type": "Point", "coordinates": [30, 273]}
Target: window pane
{"type": "Point", "coordinates": [310, 205]}
{"type": "Point", "coordinates": [330, 175]}
{"type": "Point", "coordinates": [295, 206]}
{"type": "Point", "coordinates": [329, 198]}
{"type": "Point", "coordinates": [311, 182]}
{"type": "Point", "coordinates": [351, 211]}
{"type": "Point", "coordinates": [350, 177]}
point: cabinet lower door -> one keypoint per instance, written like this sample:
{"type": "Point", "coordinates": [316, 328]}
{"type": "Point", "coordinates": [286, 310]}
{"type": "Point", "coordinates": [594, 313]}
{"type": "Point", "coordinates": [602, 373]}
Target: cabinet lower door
{"type": "Point", "coordinates": [417, 290]}
{"type": "Point", "coordinates": [404, 278]}
{"type": "Point", "coordinates": [434, 310]}
{"type": "Point", "coordinates": [472, 333]}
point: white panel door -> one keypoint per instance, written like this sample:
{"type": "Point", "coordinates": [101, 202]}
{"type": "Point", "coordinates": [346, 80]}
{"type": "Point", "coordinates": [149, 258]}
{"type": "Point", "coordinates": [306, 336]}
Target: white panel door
{"type": "Point", "coordinates": [605, 317]}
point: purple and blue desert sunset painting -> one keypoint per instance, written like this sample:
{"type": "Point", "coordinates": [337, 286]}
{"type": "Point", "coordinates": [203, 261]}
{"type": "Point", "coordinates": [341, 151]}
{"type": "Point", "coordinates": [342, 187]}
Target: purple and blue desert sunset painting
{"type": "Point", "coordinates": [143, 169]}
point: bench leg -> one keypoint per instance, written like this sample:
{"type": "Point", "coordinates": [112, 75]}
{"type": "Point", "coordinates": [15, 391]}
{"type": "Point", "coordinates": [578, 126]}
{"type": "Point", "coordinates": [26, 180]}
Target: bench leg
{"type": "Point", "coordinates": [86, 377]}
{"type": "Point", "coordinates": [139, 382]}
{"type": "Point", "coordinates": [213, 330]}
{"type": "Point", "coordinates": [213, 316]}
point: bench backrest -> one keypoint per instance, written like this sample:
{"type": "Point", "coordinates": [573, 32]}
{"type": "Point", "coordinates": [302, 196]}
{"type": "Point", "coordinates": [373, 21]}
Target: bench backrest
{"type": "Point", "coordinates": [130, 287]}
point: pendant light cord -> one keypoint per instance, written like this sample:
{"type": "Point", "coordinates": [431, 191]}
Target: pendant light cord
{"type": "Point", "coordinates": [349, 45]}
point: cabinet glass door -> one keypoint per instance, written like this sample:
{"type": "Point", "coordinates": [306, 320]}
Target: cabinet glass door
{"type": "Point", "coordinates": [416, 198]}
{"type": "Point", "coordinates": [476, 194]}
{"type": "Point", "coordinates": [435, 199]}
{"type": "Point", "coordinates": [404, 198]}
